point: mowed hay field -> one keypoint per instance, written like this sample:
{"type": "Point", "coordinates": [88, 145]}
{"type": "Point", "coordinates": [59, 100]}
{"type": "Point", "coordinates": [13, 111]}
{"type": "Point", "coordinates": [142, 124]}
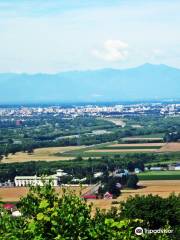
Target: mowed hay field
{"type": "Point", "coordinates": [130, 147]}
{"type": "Point", "coordinates": [162, 188]}
{"type": "Point", "coordinates": [14, 194]}
{"type": "Point", "coordinates": [41, 154]}
{"type": "Point", "coordinates": [170, 147]}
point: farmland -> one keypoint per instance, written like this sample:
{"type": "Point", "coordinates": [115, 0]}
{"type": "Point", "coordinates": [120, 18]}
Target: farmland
{"type": "Point", "coordinates": [15, 193]}
{"type": "Point", "coordinates": [49, 131]}
{"type": "Point", "coordinates": [53, 138]}
{"type": "Point", "coordinates": [114, 148]}
{"type": "Point", "coordinates": [98, 150]}
{"type": "Point", "coordinates": [83, 145]}
{"type": "Point", "coordinates": [171, 147]}
{"type": "Point", "coordinates": [67, 153]}
{"type": "Point", "coordinates": [161, 188]}
{"type": "Point", "coordinates": [41, 154]}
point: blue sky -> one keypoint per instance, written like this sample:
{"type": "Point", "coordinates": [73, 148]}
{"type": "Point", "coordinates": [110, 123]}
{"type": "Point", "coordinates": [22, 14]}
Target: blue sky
{"type": "Point", "coordinates": [53, 36]}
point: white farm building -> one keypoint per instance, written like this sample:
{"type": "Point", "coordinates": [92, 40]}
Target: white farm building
{"type": "Point", "coordinates": [23, 181]}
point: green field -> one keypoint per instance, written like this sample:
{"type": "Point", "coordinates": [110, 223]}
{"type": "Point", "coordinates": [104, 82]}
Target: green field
{"type": "Point", "coordinates": [89, 154]}
{"type": "Point", "coordinates": [159, 175]}
{"type": "Point", "coordinates": [85, 153]}
{"type": "Point", "coordinates": [162, 162]}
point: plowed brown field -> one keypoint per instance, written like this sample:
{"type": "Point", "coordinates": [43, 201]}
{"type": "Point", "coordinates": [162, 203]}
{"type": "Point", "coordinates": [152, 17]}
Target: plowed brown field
{"type": "Point", "coordinates": [170, 147]}
{"type": "Point", "coordinates": [14, 194]}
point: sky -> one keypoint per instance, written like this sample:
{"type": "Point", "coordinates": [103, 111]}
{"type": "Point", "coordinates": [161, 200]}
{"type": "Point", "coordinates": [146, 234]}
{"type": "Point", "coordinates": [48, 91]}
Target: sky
{"type": "Point", "coordinates": [51, 36]}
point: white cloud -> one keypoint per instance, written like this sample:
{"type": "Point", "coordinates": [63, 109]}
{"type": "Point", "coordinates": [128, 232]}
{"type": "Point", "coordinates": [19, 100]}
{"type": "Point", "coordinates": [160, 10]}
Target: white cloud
{"type": "Point", "coordinates": [96, 95]}
{"type": "Point", "coordinates": [113, 50]}
{"type": "Point", "coordinates": [157, 52]}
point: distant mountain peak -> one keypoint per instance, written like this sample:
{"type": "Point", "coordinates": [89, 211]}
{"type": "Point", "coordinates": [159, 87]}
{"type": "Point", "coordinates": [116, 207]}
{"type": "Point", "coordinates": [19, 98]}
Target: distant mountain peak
{"type": "Point", "coordinates": [150, 65]}
{"type": "Point", "coordinates": [148, 81]}
{"type": "Point", "coordinates": [147, 64]}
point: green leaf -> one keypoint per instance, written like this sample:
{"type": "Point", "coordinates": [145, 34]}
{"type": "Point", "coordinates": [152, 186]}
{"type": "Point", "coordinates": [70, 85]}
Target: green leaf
{"type": "Point", "coordinates": [40, 216]}
{"type": "Point", "coordinates": [44, 204]}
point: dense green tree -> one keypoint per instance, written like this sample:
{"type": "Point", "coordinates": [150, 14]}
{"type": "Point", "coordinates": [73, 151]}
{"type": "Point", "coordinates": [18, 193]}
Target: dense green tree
{"type": "Point", "coordinates": [131, 166]}
{"type": "Point", "coordinates": [132, 181]}
{"type": "Point", "coordinates": [155, 211]}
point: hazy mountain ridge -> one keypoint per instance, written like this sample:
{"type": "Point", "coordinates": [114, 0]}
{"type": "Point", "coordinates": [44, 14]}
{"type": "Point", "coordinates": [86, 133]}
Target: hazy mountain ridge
{"type": "Point", "coordinates": [144, 82]}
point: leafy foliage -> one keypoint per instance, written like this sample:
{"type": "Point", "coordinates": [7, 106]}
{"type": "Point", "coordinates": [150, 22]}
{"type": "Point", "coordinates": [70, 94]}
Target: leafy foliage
{"type": "Point", "coordinates": [132, 181]}
{"type": "Point", "coordinates": [155, 211]}
{"type": "Point", "coordinates": [45, 215]}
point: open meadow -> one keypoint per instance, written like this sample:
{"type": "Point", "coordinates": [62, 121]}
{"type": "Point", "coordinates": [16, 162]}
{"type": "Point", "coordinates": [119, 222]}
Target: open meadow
{"type": "Point", "coordinates": [159, 175]}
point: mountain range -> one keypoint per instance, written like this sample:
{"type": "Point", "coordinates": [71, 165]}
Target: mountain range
{"type": "Point", "coordinates": [145, 82]}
